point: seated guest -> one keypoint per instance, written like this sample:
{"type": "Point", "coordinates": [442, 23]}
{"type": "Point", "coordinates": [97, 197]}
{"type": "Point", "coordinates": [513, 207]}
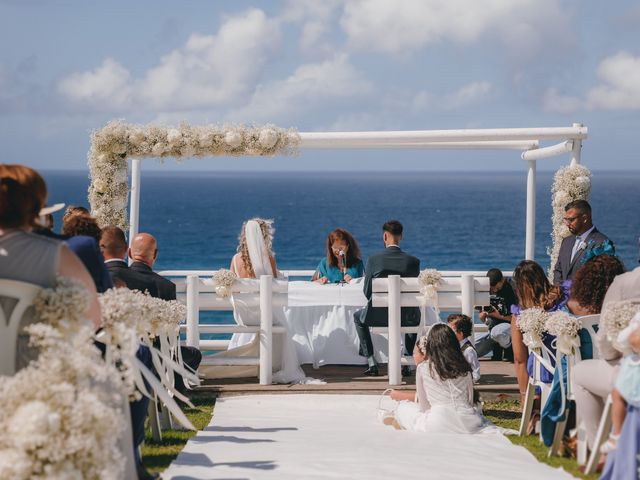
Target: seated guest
{"type": "Point", "coordinates": [593, 380]}
{"type": "Point", "coordinates": [260, 249]}
{"type": "Point", "coordinates": [83, 234]}
{"type": "Point", "coordinates": [342, 262]}
{"type": "Point", "coordinates": [463, 328]}
{"type": "Point", "coordinates": [31, 258]}
{"type": "Point", "coordinates": [444, 390]}
{"type": "Point", "coordinates": [622, 461]}
{"type": "Point", "coordinates": [391, 261]}
{"type": "Point", "coordinates": [45, 222]}
{"type": "Point", "coordinates": [533, 290]}
{"type": "Point", "coordinates": [144, 252]}
{"type": "Point", "coordinates": [590, 284]}
{"type": "Point", "coordinates": [498, 317]}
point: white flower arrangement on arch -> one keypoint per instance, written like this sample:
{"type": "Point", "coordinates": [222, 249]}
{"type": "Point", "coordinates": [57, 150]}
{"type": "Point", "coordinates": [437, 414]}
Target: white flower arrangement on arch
{"type": "Point", "coordinates": [565, 328]}
{"type": "Point", "coordinates": [569, 184]}
{"type": "Point", "coordinates": [531, 323]}
{"type": "Point", "coordinates": [113, 144]}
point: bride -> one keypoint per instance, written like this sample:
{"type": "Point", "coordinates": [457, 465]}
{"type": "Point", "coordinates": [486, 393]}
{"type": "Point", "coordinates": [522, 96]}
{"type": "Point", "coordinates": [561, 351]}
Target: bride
{"type": "Point", "coordinates": [255, 257]}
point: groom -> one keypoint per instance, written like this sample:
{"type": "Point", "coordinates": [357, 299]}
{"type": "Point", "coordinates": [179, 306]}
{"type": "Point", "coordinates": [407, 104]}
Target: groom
{"type": "Point", "coordinates": [391, 261]}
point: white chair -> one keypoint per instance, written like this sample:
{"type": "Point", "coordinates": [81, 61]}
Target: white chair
{"type": "Point", "coordinates": [541, 359]}
{"type": "Point", "coordinates": [589, 322]}
{"type": "Point", "coordinates": [15, 299]}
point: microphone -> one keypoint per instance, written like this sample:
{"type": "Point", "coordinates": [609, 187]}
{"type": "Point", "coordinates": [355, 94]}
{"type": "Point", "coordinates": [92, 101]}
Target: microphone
{"type": "Point", "coordinates": [343, 262]}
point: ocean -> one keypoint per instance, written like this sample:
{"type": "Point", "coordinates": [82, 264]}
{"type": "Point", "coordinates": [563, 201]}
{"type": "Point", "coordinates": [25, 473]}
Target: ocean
{"type": "Point", "coordinates": [452, 221]}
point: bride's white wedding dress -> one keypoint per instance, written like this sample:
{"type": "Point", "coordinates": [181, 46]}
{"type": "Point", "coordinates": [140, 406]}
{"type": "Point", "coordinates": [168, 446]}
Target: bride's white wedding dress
{"type": "Point", "coordinates": [443, 406]}
{"type": "Point", "coordinates": [286, 366]}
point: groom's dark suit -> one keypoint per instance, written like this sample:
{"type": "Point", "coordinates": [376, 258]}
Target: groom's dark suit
{"type": "Point", "coordinates": [565, 268]}
{"type": "Point", "coordinates": [391, 261]}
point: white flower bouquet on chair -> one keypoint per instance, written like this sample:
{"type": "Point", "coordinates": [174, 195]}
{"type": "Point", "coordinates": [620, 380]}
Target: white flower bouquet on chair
{"type": "Point", "coordinates": [429, 279]}
{"type": "Point", "coordinates": [615, 317]}
{"type": "Point", "coordinates": [565, 328]}
{"type": "Point", "coordinates": [531, 323]}
{"type": "Point", "coordinates": [223, 280]}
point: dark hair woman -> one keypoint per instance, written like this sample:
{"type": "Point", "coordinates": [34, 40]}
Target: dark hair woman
{"type": "Point", "coordinates": [533, 290]}
{"type": "Point", "coordinates": [590, 284]}
{"type": "Point", "coordinates": [343, 260]}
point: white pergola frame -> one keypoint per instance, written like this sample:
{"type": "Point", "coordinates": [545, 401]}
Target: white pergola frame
{"type": "Point", "coordinates": [526, 140]}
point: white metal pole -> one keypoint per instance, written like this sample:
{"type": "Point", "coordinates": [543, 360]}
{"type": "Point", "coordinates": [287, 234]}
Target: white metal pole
{"type": "Point", "coordinates": [395, 377]}
{"type": "Point", "coordinates": [530, 238]}
{"type": "Point", "coordinates": [577, 147]}
{"type": "Point", "coordinates": [266, 322]}
{"type": "Point", "coordinates": [193, 311]}
{"type": "Point", "coordinates": [467, 292]}
{"type": "Point", "coordinates": [134, 209]}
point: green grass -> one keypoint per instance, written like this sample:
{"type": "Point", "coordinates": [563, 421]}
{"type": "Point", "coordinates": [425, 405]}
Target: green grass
{"type": "Point", "coordinates": [158, 455]}
{"type": "Point", "coordinates": [507, 414]}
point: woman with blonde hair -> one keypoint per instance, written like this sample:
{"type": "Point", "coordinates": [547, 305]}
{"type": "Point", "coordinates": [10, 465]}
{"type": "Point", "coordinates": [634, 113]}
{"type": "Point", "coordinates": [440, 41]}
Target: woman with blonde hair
{"type": "Point", "coordinates": [255, 255]}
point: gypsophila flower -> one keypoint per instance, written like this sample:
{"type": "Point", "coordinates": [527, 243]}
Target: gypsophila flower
{"type": "Point", "coordinates": [429, 278]}
{"type": "Point", "coordinates": [64, 305]}
{"type": "Point", "coordinates": [565, 328]}
{"type": "Point", "coordinates": [531, 323]}
{"type": "Point", "coordinates": [615, 316]}
{"type": "Point", "coordinates": [569, 184]}
{"type": "Point", "coordinates": [223, 280]}
{"type": "Point", "coordinates": [111, 145]}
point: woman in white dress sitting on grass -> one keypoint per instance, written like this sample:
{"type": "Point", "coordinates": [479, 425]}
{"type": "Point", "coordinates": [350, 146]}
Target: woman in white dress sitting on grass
{"type": "Point", "coordinates": [443, 402]}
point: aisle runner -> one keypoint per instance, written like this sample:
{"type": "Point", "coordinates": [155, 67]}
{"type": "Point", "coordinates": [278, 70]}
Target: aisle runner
{"type": "Point", "coordinates": [338, 437]}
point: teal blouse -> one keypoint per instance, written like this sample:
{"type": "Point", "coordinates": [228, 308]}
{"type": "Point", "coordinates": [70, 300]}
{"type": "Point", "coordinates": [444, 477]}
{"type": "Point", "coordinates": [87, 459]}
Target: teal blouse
{"type": "Point", "coordinates": [334, 275]}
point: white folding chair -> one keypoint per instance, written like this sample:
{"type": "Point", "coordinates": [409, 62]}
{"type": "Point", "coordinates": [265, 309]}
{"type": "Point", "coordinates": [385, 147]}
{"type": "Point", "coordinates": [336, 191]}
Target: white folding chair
{"type": "Point", "coordinates": [15, 299]}
{"type": "Point", "coordinates": [541, 359]}
{"type": "Point", "coordinates": [589, 322]}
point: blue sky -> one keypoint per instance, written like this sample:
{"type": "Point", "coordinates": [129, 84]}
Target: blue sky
{"type": "Point", "coordinates": [67, 67]}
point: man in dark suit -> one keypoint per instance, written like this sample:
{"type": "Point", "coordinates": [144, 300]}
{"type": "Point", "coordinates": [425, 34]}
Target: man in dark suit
{"type": "Point", "coordinates": [391, 261]}
{"type": "Point", "coordinates": [584, 236]}
{"type": "Point", "coordinates": [144, 252]}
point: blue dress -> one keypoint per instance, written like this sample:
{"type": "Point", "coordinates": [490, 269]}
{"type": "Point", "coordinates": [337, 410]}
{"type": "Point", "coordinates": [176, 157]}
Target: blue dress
{"type": "Point", "coordinates": [334, 275]}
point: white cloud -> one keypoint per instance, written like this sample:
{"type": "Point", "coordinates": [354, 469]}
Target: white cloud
{"type": "Point", "coordinates": [467, 95]}
{"type": "Point", "coordinates": [315, 18]}
{"type": "Point", "coordinates": [620, 90]}
{"type": "Point", "coordinates": [208, 71]}
{"type": "Point", "coordinates": [107, 86]}
{"type": "Point", "coordinates": [404, 26]}
{"type": "Point", "coordinates": [313, 84]}
{"type": "Point", "coordinates": [556, 102]}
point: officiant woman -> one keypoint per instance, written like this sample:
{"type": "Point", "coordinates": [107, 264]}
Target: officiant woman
{"type": "Point", "coordinates": [343, 261]}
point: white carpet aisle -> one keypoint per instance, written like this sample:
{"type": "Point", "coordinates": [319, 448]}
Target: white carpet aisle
{"type": "Point", "coordinates": [338, 437]}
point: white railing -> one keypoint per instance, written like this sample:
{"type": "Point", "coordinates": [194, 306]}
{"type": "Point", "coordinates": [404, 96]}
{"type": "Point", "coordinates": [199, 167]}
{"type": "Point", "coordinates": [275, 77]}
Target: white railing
{"type": "Point", "coordinates": [460, 293]}
{"type": "Point", "coordinates": [199, 295]}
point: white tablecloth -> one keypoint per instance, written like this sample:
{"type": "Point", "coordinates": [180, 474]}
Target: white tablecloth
{"type": "Point", "coordinates": [320, 319]}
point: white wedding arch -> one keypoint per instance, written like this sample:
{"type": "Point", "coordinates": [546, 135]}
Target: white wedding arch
{"type": "Point", "coordinates": [114, 145]}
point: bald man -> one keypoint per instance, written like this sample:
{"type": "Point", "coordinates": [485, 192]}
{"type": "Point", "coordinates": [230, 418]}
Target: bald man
{"type": "Point", "coordinates": [143, 251]}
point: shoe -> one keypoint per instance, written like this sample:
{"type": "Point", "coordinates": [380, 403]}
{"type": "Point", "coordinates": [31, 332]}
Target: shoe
{"type": "Point", "coordinates": [610, 445]}
{"type": "Point", "coordinates": [371, 371]}
{"type": "Point", "coordinates": [406, 371]}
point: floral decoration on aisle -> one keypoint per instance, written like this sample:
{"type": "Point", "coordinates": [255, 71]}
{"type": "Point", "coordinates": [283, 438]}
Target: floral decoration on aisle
{"type": "Point", "coordinates": [615, 317]}
{"type": "Point", "coordinates": [569, 184]}
{"type": "Point", "coordinates": [113, 144]}
{"type": "Point", "coordinates": [531, 323]}
{"type": "Point", "coordinates": [565, 328]}
{"type": "Point", "coordinates": [63, 414]}
{"type": "Point", "coordinates": [223, 280]}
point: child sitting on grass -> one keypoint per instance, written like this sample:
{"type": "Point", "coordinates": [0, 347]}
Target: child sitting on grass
{"type": "Point", "coordinates": [463, 328]}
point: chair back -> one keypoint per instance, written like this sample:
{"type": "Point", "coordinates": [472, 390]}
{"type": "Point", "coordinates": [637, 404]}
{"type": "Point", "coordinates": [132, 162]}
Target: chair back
{"type": "Point", "coordinates": [15, 299]}
{"type": "Point", "coordinates": [589, 322]}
